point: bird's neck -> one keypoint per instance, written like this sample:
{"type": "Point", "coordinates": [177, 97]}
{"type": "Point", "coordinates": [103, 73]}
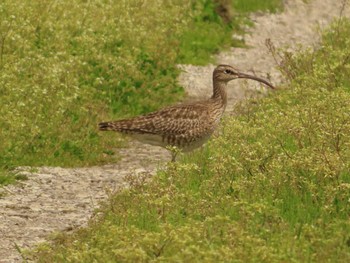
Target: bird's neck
{"type": "Point", "coordinates": [219, 91]}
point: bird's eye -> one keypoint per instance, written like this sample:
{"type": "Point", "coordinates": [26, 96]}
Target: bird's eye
{"type": "Point", "coordinates": [227, 71]}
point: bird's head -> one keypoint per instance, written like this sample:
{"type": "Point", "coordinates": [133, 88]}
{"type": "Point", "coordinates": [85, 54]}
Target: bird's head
{"type": "Point", "coordinates": [227, 73]}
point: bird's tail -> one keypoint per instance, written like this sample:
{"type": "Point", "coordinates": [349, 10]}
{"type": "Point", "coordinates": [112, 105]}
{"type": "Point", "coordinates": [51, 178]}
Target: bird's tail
{"type": "Point", "coordinates": [125, 126]}
{"type": "Point", "coordinates": [106, 126]}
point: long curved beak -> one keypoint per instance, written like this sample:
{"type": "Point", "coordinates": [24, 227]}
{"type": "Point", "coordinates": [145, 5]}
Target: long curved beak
{"type": "Point", "coordinates": [246, 76]}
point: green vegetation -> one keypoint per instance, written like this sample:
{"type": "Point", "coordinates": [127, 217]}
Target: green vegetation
{"type": "Point", "coordinates": [212, 25]}
{"type": "Point", "coordinates": [67, 65]}
{"type": "Point", "coordinates": [253, 5]}
{"type": "Point", "coordinates": [6, 178]}
{"type": "Point", "coordinates": [273, 187]}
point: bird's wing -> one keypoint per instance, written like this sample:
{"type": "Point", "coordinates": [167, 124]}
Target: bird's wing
{"type": "Point", "coordinates": [180, 120]}
{"type": "Point", "coordinates": [176, 120]}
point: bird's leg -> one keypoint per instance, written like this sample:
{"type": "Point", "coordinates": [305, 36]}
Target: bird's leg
{"type": "Point", "coordinates": [173, 156]}
{"type": "Point", "coordinates": [174, 151]}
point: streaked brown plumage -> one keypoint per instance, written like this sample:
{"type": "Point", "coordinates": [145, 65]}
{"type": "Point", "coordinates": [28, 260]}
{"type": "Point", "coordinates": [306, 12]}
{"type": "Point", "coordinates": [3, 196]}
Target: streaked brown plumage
{"type": "Point", "coordinates": [186, 126]}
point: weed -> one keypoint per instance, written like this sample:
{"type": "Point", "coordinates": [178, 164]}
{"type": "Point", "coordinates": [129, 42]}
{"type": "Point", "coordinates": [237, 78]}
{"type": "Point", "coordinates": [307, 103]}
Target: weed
{"type": "Point", "coordinates": [65, 66]}
{"type": "Point", "coordinates": [273, 187]}
{"type": "Point", "coordinates": [212, 26]}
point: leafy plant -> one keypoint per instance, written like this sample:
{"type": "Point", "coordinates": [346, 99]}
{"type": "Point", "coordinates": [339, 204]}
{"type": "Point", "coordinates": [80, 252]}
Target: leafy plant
{"type": "Point", "coordinates": [67, 65]}
{"type": "Point", "coordinates": [273, 187]}
{"type": "Point", "coordinates": [211, 27]}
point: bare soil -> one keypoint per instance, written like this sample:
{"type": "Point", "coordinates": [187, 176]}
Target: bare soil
{"type": "Point", "coordinates": [60, 199]}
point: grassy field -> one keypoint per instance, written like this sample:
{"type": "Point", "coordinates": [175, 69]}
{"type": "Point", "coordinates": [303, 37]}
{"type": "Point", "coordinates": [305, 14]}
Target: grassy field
{"type": "Point", "coordinates": [273, 187]}
{"type": "Point", "coordinates": [67, 65]}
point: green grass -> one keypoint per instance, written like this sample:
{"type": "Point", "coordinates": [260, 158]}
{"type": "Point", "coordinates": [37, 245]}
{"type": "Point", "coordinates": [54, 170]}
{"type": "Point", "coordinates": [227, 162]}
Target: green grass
{"type": "Point", "coordinates": [256, 5]}
{"type": "Point", "coordinates": [9, 178]}
{"type": "Point", "coordinates": [211, 31]}
{"type": "Point", "coordinates": [273, 187]}
{"type": "Point", "coordinates": [67, 65]}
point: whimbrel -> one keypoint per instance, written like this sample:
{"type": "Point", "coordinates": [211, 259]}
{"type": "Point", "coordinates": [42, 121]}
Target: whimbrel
{"type": "Point", "coordinates": [185, 126]}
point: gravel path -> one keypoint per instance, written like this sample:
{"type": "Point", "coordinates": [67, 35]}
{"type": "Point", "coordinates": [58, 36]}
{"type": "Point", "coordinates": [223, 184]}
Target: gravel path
{"type": "Point", "coordinates": [55, 199]}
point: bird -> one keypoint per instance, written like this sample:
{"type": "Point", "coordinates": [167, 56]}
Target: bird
{"type": "Point", "coordinates": [185, 126]}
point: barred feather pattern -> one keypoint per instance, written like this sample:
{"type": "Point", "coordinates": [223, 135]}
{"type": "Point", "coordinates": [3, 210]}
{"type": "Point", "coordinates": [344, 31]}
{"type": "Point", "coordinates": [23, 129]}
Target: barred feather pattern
{"type": "Point", "coordinates": [185, 126]}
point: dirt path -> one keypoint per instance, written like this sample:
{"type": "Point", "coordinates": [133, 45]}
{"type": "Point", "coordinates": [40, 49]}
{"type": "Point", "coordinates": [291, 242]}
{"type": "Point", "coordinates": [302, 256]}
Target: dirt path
{"type": "Point", "coordinates": [55, 199]}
